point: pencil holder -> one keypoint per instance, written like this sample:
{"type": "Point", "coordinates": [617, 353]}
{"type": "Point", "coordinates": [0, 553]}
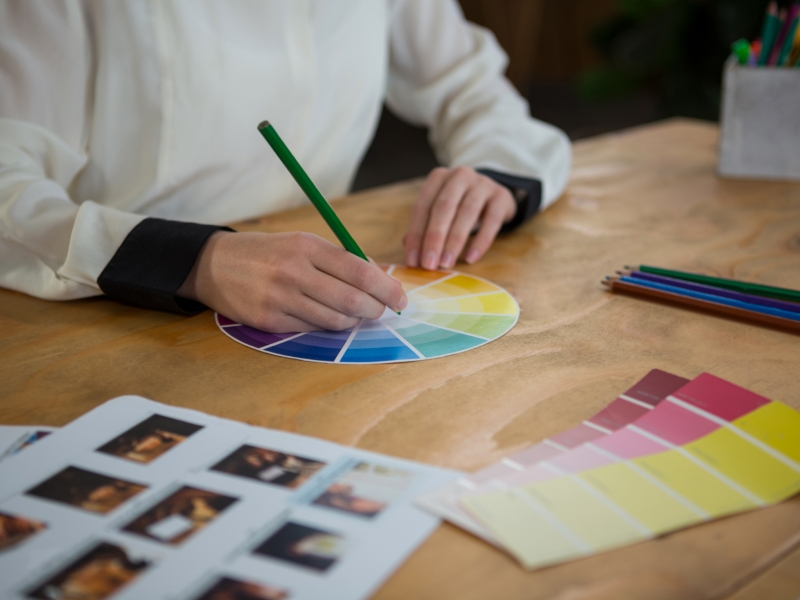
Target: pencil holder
{"type": "Point", "coordinates": [760, 129]}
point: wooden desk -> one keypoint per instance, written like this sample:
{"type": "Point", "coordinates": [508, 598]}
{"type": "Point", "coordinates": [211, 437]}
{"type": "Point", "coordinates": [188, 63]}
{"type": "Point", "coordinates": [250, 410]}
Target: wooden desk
{"type": "Point", "coordinates": [645, 195]}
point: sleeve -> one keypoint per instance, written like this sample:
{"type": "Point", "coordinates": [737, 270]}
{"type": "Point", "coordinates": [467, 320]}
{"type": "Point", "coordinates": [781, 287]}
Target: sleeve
{"type": "Point", "coordinates": [447, 74]}
{"type": "Point", "coordinates": [51, 245]}
{"type": "Point", "coordinates": [152, 263]}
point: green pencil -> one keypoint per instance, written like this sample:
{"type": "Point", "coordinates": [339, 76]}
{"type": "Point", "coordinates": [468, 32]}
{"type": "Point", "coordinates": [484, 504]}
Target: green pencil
{"type": "Point", "coordinates": [767, 291]}
{"type": "Point", "coordinates": [310, 190]}
{"type": "Point", "coordinates": [788, 42]}
{"type": "Point", "coordinates": [768, 32]}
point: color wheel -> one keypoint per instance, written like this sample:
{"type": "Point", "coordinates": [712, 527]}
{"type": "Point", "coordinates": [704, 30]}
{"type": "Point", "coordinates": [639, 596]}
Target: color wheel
{"type": "Point", "coordinates": [447, 313]}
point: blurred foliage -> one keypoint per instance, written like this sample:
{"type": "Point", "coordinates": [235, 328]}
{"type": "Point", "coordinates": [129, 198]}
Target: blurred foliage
{"type": "Point", "coordinates": [674, 49]}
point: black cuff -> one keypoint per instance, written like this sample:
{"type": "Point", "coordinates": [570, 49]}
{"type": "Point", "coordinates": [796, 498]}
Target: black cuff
{"type": "Point", "coordinates": [527, 193]}
{"type": "Point", "coordinates": [153, 262]}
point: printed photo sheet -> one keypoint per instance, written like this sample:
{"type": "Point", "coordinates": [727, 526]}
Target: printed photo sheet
{"type": "Point", "coordinates": [15, 438]}
{"type": "Point", "coordinates": [137, 499]}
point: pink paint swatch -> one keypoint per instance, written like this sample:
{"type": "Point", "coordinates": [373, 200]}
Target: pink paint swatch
{"type": "Point", "coordinates": [639, 400]}
{"type": "Point", "coordinates": [711, 403]}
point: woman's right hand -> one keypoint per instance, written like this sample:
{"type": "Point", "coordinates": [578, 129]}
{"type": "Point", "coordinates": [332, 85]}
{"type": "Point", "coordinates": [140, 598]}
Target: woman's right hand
{"type": "Point", "coordinates": [287, 282]}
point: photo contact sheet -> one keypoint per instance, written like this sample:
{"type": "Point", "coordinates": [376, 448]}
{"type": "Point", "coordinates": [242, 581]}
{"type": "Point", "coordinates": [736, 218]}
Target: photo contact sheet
{"type": "Point", "coordinates": [137, 499]}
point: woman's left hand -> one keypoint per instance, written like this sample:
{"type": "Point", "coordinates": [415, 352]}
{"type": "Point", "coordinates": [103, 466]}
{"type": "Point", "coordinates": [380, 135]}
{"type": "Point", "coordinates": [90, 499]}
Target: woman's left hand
{"type": "Point", "coordinates": [449, 207]}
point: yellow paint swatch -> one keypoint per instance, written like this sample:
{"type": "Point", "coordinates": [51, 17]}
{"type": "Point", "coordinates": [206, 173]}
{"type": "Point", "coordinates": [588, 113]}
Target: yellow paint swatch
{"type": "Point", "coordinates": [495, 303]}
{"type": "Point", "coordinates": [776, 425]}
{"type": "Point", "coordinates": [533, 539]}
{"type": "Point", "coordinates": [459, 285]}
{"type": "Point", "coordinates": [749, 466]}
{"type": "Point", "coordinates": [584, 513]}
{"type": "Point", "coordinates": [726, 471]}
{"type": "Point", "coordinates": [643, 500]}
{"type": "Point", "coordinates": [690, 480]}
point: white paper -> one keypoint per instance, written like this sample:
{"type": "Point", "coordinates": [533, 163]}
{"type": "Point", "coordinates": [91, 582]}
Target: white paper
{"type": "Point", "coordinates": [14, 438]}
{"type": "Point", "coordinates": [171, 502]}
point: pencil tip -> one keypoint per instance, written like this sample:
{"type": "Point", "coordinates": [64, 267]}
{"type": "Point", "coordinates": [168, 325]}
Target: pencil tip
{"type": "Point", "coordinates": [263, 125]}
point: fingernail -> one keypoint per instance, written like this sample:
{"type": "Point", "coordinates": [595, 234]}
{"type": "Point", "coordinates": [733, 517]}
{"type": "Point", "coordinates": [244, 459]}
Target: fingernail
{"type": "Point", "coordinates": [412, 258]}
{"type": "Point", "coordinates": [403, 303]}
{"type": "Point", "coordinates": [429, 262]}
{"type": "Point", "coordinates": [448, 260]}
{"type": "Point", "coordinates": [472, 256]}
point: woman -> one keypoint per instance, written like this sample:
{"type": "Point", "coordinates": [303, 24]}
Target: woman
{"type": "Point", "coordinates": [127, 134]}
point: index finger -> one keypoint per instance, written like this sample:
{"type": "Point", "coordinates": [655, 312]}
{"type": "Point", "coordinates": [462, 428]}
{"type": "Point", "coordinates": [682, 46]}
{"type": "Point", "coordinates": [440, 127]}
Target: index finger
{"type": "Point", "coordinates": [420, 214]}
{"type": "Point", "coordinates": [365, 276]}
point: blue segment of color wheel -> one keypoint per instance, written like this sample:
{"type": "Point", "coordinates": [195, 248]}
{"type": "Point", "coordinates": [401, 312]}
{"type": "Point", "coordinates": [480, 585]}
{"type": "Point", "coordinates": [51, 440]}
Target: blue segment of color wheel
{"type": "Point", "coordinates": [448, 312]}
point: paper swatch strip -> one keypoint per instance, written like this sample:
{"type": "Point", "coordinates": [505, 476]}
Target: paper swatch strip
{"type": "Point", "coordinates": [711, 449]}
{"type": "Point", "coordinates": [447, 313]}
{"type": "Point", "coordinates": [637, 401]}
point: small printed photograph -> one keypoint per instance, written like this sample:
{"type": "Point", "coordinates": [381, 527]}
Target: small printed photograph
{"type": "Point", "coordinates": [304, 546]}
{"type": "Point", "coordinates": [233, 589]}
{"type": "Point", "coordinates": [269, 466]}
{"type": "Point", "coordinates": [14, 530]}
{"type": "Point", "coordinates": [29, 439]}
{"type": "Point", "coordinates": [87, 490]}
{"type": "Point", "coordinates": [149, 439]}
{"type": "Point", "coordinates": [97, 575]}
{"type": "Point", "coordinates": [365, 490]}
{"type": "Point", "coordinates": [180, 515]}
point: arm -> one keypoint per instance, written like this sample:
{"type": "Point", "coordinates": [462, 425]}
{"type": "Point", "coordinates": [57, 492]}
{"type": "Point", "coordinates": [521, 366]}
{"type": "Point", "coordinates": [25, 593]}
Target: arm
{"type": "Point", "coordinates": [447, 74]}
{"type": "Point", "coordinates": [57, 246]}
{"type": "Point", "coordinates": [50, 245]}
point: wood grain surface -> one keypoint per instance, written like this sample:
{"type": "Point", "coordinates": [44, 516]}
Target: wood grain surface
{"type": "Point", "coordinates": [647, 195]}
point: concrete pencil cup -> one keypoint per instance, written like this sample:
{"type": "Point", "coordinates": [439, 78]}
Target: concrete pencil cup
{"type": "Point", "coordinates": [760, 129]}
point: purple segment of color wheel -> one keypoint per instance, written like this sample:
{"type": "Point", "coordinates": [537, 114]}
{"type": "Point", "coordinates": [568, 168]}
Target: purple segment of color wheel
{"type": "Point", "coordinates": [254, 337]}
{"type": "Point", "coordinates": [323, 346]}
{"type": "Point", "coordinates": [715, 291]}
{"type": "Point", "coordinates": [223, 321]}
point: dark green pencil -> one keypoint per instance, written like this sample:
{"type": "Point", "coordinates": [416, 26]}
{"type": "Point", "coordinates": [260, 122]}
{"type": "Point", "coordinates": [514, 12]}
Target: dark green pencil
{"type": "Point", "coordinates": [310, 190]}
{"type": "Point", "coordinates": [728, 284]}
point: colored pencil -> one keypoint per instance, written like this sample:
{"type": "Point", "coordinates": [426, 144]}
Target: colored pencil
{"type": "Point", "coordinates": [768, 32]}
{"type": "Point", "coordinates": [755, 51]}
{"type": "Point", "coordinates": [767, 291]}
{"type": "Point", "coordinates": [783, 26]}
{"type": "Point", "coordinates": [788, 43]}
{"type": "Point", "coordinates": [714, 291]}
{"type": "Point", "coordinates": [310, 190]}
{"type": "Point", "coordinates": [775, 312]}
{"type": "Point", "coordinates": [616, 285]}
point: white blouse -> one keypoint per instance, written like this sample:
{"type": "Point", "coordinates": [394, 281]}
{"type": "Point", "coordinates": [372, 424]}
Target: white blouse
{"type": "Point", "coordinates": [114, 111]}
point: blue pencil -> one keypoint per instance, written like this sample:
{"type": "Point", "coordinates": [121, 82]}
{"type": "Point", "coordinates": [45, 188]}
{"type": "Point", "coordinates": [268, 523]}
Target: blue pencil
{"type": "Point", "coordinates": [764, 310]}
{"type": "Point", "coordinates": [708, 289]}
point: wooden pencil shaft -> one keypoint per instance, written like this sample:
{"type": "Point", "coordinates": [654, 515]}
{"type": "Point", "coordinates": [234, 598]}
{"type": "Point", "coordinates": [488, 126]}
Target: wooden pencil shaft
{"type": "Point", "coordinates": [310, 190]}
{"type": "Point", "coordinates": [776, 312]}
{"type": "Point", "coordinates": [715, 291]}
{"type": "Point", "coordinates": [729, 284]}
{"type": "Point", "coordinates": [703, 304]}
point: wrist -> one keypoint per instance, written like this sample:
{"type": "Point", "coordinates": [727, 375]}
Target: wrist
{"type": "Point", "coordinates": [196, 282]}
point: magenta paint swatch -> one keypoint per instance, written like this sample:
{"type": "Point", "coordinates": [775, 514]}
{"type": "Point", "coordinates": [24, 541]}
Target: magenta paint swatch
{"type": "Point", "coordinates": [635, 402]}
{"type": "Point", "coordinates": [688, 414]}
